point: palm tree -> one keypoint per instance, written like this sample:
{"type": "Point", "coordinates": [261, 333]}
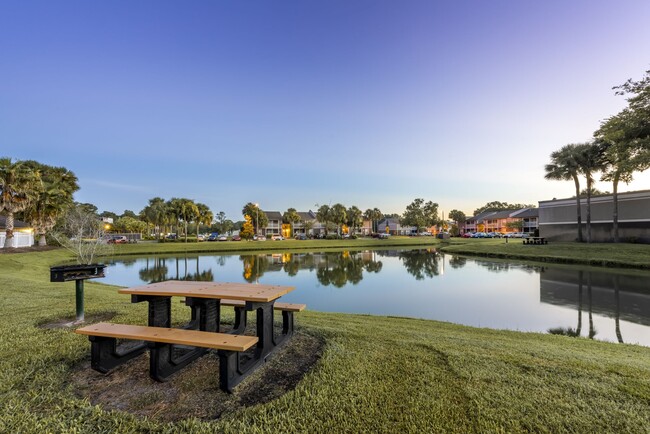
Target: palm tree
{"type": "Point", "coordinates": [156, 214]}
{"type": "Point", "coordinates": [292, 217]}
{"type": "Point", "coordinates": [590, 160]}
{"type": "Point", "coordinates": [323, 215]}
{"type": "Point", "coordinates": [19, 185]}
{"type": "Point", "coordinates": [374, 215]}
{"type": "Point", "coordinates": [354, 218]}
{"type": "Point", "coordinates": [59, 184]}
{"type": "Point", "coordinates": [564, 167]}
{"type": "Point", "coordinates": [338, 215]}
{"type": "Point", "coordinates": [204, 216]}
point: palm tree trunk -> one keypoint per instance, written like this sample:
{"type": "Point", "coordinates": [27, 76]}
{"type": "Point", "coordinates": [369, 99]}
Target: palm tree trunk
{"type": "Point", "coordinates": [9, 230]}
{"type": "Point", "coordinates": [592, 330]}
{"type": "Point", "coordinates": [579, 328]}
{"type": "Point", "coordinates": [615, 216]}
{"type": "Point", "coordinates": [617, 317]}
{"type": "Point", "coordinates": [578, 207]}
{"type": "Point", "coordinates": [589, 182]}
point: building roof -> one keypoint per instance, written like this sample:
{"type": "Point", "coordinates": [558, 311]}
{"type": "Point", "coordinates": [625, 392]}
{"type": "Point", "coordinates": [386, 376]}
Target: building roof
{"type": "Point", "coordinates": [273, 215]}
{"type": "Point", "coordinates": [526, 213]}
{"type": "Point", "coordinates": [506, 213]}
{"type": "Point", "coordinates": [17, 223]}
{"type": "Point", "coordinates": [306, 216]}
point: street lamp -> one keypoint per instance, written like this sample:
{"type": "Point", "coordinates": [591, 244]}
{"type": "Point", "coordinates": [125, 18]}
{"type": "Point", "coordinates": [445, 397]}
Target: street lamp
{"type": "Point", "coordinates": [257, 218]}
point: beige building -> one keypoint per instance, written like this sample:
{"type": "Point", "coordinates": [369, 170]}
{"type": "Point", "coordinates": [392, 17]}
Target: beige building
{"type": "Point", "coordinates": [558, 221]}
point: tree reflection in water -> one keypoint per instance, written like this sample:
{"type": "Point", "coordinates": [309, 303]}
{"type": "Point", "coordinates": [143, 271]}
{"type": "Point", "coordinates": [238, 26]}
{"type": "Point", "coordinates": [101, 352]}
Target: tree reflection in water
{"type": "Point", "coordinates": [157, 271]}
{"type": "Point", "coordinates": [569, 331]}
{"type": "Point", "coordinates": [421, 263]}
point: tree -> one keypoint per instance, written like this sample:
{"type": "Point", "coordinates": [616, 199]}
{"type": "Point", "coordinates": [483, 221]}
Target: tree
{"type": "Point", "coordinates": [622, 157]}
{"type": "Point", "coordinates": [501, 206]}
{"type": "Point", "coordinates": [184, 210]}
{"type": "Point", "coordinates": [564, 166]}
{"type": "Point", "coordinates": [53, 199]}
{"type": "Point", "coordinates": [355, 218]}
{"type": "Point", "coordinates": [635, 118]}
{"type": "Point", "coordinates": [221, 219]}
{"type": "Point", "coordinates": [420, 214]}
{"type": "Point", "coordinates": [129, 213]}
{"type": "Point", "coordinates": [129, 224]}
{"type": "Point", "coordinates": [291, 217]}
{"type": "Point", "coordinates": [82, 234]}
{"type": "Point", "coordinates": [19, 185]}
{"type": "Point", "coordinates": [156, 214]}
{"type": "Point", "coordinates": [256, 214]}
{"type": "Point", "coordinates": [247, 231]}
{"type": "Point", "coordinates": [204, 217]}
{"type": "Point", "coordinates": [458, 216]}
{"type": "Point", "coordinates": [590, 160]}
{"type": "Point", "coordinates": [323, 215]}
{"type": "Point", "coordinates": [338, 216]}
{"type": "Point", "coordinates": [374, 215]}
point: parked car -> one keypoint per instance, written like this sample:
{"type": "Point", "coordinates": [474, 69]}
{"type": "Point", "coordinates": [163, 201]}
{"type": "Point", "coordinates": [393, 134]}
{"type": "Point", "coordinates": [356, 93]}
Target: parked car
{"type": "Point", "coordinates": [222, 238]}
{"type": "Point", "coordinates": [467, 235]}
{"type": "Point", "coordinates": [260, 238]}
{"type": "Point", "coordinates": [117, 239]}
{"type": "Point", "coordinates": [384, 236]}
{"type": "Point", "coordinates": [214, 236]}
{"type": "Point", "coordinates": [300, 237]}
{"type": "Point", "coordinates": [171, 236]}
{"type": "Point", "coordinates": [277, 237]}
{"type": "Point", "coordinates": [200, 237]}
{"type": "Point", "coordinates": [479, 235]}
{"type": "Point", "coordinates": [518, 235]}
{"type": "Point", "coordinates": [235, 238]}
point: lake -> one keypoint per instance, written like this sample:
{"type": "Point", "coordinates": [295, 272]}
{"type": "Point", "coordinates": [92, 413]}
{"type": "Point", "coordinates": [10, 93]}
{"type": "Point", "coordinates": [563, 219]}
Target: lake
{"type": "Point", "coordinates": [612, 305]}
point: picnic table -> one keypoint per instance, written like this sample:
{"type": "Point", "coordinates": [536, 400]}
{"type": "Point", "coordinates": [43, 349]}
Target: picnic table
{"type": "Point", "coordinates": [173, 348]}
{"type": "Point", "coordinates": [535, 240]}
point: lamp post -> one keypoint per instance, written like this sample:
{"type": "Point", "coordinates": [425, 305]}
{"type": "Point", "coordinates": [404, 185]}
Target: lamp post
{"type": "Point", "coordinates": [257, 218]}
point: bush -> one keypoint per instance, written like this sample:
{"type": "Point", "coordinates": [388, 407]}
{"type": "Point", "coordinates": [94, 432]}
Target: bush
{"type": "Point", "coordinates": [332, 237]}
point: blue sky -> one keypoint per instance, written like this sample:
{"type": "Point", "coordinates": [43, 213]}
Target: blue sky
{"type": "Point", "coordinates": [295, 103]}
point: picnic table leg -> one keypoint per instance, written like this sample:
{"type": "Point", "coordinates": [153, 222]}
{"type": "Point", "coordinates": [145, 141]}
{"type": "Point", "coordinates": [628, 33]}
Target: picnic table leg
{"type": "Point", "coordinates": [240, 320]}
{"type": "Point", "coordinates": [166, 359]}
{"type": "Point", "coordinates": [105, 355]}
{"type": "Point", "coordinates": [206, 314]}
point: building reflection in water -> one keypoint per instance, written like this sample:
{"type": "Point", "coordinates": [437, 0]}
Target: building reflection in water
{"type": "Point", "coordinates": [618, 296]}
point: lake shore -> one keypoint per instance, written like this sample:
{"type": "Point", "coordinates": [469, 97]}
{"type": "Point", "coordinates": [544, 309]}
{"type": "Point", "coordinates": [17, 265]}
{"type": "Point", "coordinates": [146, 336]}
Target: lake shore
{"type": "Point", "coordinates": [375, 373]}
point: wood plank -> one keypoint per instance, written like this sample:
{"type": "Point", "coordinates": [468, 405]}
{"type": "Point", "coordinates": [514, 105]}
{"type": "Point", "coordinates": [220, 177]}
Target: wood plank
{"type": "Point", "coordinates": [194, 338]}
{"type": "Point", "coordinates": [222, 290]}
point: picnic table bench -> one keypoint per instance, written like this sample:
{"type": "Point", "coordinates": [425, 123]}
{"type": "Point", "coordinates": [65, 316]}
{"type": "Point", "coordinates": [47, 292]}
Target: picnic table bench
{"type": "Point", "coordinates": [202, 332]}
{"type": "Point", "coordinates": [535, 240]}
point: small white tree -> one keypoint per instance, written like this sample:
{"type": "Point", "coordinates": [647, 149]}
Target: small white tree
{"type": "Point", "coordinates": [83, 235]}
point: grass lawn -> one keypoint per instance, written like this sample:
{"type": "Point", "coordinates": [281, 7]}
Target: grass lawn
{"type": "Point", "coordinates": [599, 254]}
{"type": "Point", "coordinates": [376, 374]}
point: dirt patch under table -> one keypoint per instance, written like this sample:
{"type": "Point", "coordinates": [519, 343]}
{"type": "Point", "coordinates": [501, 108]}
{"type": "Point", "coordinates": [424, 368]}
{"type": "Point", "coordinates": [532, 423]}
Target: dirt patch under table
{"type": "Point", "coordinates": [194, 391]}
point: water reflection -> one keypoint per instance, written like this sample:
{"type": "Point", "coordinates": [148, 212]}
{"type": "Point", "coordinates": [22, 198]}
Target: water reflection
{"type": "Point", "coordinates": [421, 263]}
{"type": "Point", "coordinates": [574, 301]}
{"type": "Point", "coordinates": [332, 268]}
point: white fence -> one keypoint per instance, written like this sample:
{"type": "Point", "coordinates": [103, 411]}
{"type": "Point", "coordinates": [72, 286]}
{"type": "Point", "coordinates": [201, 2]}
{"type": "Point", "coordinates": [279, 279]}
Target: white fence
{"type": "Point", "coordinates": [21, 239]}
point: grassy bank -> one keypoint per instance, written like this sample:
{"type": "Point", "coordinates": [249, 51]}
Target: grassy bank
{"type": "Point", "coordinates": [376, 374]}
{"type": "Point", "coordinates": [144, 248]}
{"type": "Point", "coordinates": [598, 254]}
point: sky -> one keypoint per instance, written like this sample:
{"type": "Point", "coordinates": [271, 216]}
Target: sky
{"type": "Point", "coordinates": [303, 103]}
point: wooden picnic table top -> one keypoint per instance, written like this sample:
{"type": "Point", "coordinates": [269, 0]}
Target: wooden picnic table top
{"type": "Point", "coordinates": [221, 290]}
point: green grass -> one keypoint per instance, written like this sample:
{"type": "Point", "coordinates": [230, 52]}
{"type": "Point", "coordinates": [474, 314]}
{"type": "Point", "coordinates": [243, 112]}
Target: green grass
{"type": "Point", "coordinates": [146, 247]}
{"type": "Point", "coordinates": [377, 374]}
{"type": "Point", "coordinates": [599, 254]}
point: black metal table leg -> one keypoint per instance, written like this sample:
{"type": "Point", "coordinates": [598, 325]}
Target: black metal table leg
{"type": "Point", "coordinates": [105, 355]}
{"type": "Point", "coordinates": [166, 359]}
